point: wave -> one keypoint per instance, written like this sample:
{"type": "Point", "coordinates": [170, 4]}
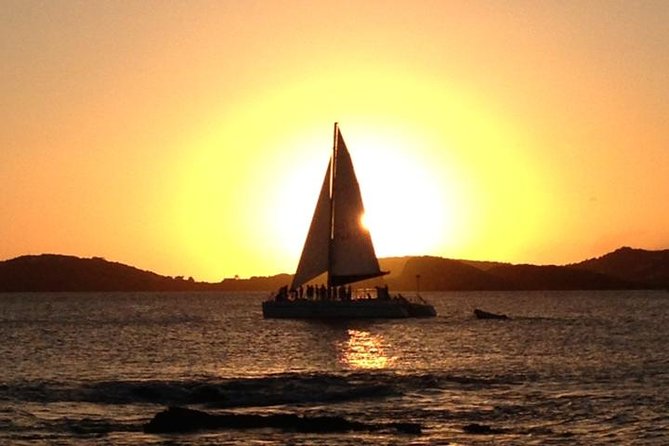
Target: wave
{"type": "Point", "coordinates": [269, 390]}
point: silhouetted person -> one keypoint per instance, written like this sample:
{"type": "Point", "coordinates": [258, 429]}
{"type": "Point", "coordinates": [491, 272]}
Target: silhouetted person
{"type": "Point", "coordinates": [282, 295]}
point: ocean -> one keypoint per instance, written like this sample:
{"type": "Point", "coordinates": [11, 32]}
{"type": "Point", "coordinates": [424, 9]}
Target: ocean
{"type": "Point", "coordinates": [568, 368]}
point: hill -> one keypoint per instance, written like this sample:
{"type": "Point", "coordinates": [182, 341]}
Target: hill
{"type": "Point", "coordinates": [437, 273]}
{"type": "Point", "coordinates": [553, 277]}
{"type": "Point", "coordinates": [625, 268]}
{"type": "Point", "coordinates": [650, 268]}
{"type": "Point", "coordinates": [51, 272]}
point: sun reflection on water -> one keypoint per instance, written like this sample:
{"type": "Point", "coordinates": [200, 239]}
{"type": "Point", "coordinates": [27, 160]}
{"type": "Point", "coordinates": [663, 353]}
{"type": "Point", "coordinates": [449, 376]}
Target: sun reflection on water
{"type": "Point", "coordinates": [364, 350]}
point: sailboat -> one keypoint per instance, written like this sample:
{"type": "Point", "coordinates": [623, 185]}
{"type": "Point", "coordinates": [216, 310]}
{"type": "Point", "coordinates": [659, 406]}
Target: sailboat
{"type": "Point", "coordinates": [338, 244]}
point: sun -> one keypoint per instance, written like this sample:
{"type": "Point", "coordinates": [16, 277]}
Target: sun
{"type": "Point", "coordinates": [406, 204]}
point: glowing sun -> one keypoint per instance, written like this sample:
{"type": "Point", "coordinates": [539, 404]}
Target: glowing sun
{"type": "Point", "coordinates": [406, 207]}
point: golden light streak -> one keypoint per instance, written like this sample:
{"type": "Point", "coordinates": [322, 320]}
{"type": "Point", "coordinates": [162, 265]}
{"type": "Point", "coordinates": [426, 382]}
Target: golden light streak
{"type": "Point", "coordinates": [364, 350]}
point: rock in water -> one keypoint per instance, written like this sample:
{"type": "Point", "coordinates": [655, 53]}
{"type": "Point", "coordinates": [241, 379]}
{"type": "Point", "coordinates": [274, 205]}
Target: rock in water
{"type": "Point", "coordinates": [480, 429]}
{"type": "Point", "coordinates": [480, 314]}
{"type": "Point", "coordinates": [178, 419]}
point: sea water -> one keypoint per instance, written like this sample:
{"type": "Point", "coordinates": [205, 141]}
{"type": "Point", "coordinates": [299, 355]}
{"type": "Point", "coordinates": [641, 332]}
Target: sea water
{"type": "Point", "coordinates": [567, 368]}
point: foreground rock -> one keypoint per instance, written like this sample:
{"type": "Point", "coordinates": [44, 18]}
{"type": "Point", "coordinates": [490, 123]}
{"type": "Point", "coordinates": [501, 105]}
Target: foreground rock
{"type": "Point", "coordinates": [181, 420]}
{"type": "Point", "coordinates": [480, 314]}
{"type": "Point", "coordinates": [481, 429]}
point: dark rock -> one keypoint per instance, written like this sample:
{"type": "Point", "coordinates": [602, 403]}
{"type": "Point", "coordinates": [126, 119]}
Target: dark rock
{"type": "Point", "coordinates": [480, 314]}
{"type": "Point", "coordinates": [181, 420]}
{"type": "Point", "coordinates": [480, 429]}
{"type": "Point", "coordinates": [177, 419]}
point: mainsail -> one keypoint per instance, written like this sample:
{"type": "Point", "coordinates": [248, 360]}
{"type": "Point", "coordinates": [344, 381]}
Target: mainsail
{"type": "Point", "coordinates": [337, 242]}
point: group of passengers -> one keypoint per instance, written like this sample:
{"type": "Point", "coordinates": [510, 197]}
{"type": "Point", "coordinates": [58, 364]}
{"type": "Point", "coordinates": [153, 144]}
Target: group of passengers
{"type": "Point", "coordinates": [322, 292]}
{"type": "Point", "coordinates": [315, 292]}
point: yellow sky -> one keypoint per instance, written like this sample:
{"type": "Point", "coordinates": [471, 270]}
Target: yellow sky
{"type": "Point", "coordinates": [191, 138]}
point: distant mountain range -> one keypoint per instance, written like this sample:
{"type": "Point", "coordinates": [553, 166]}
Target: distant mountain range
{"type": "Point", "coordinates": [625, 268]}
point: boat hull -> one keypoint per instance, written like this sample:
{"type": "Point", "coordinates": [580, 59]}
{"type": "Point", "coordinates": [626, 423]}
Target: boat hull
{"type": "Point", "coordinates": [354, 309]}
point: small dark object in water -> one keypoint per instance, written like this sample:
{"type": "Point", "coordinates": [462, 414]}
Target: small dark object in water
{"type": "Point", "coordinates": [407, 428]}
{"type": "Point", "coordinates": [480, 314]}
{"type": "Point", "coordinates": [181, 420]}
{"type": "Point", "coordinates": [480, 429]}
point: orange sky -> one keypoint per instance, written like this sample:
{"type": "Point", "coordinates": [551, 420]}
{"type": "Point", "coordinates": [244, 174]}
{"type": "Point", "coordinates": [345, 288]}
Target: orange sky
{"type": "Point", "coordinates": [191, 138]}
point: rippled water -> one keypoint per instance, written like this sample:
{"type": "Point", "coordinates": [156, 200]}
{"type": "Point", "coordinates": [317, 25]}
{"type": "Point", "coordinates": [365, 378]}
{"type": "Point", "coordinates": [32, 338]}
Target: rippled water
{"type": "Point", "coordinates": [568, 368]}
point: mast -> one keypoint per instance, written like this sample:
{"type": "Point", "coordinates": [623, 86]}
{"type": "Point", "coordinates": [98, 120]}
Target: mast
{"type": "Point", "coordinates": [333, 174]}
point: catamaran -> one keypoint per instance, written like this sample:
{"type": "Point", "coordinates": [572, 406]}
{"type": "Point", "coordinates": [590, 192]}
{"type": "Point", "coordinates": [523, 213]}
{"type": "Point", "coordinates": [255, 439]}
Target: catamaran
{"type": "Point", "coordinates": [338, 244]}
